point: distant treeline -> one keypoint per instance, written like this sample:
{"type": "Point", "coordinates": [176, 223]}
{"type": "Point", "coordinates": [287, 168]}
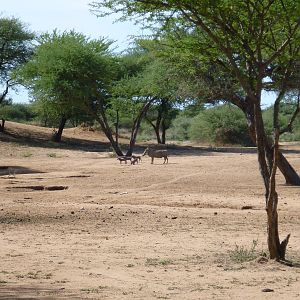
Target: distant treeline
{"type": "Point", "coordinates": [220, 124]}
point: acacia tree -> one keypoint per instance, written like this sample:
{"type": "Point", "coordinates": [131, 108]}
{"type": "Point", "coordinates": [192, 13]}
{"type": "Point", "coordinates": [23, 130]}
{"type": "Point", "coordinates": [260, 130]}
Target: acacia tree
{"type": "Point", "coordinates": [131, 94]}
{"type": "Point", "coordinates": [161, 82]}
{"type": "Point", "coordinates": [248, 39]}
{"type": "Point", "coordinates": [155, 81]}
{"type": "Point", "coordinates": [15, 49]}
{"type": "Point", "coordinates": [160, 119]}
{"type": "Point", "coordinates": [207, 79]}
{"type": "Point", "coordinates": [70, 73]}
{"type": "Point", "coordinates": [145, 83]}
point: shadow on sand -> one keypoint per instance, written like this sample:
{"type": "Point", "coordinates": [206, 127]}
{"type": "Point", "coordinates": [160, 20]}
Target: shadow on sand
{"type": "Point", "coordinates": [13, 170]}
{"type": "Point", "coordinates": [12, 292]}
{"type": "Point", "coordinates": [41, 139]}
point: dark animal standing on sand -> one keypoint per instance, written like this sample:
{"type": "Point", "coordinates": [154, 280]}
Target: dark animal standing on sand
{"type": "Point", "coordinates": [135, 159]}
{"type": "Point", "coordinates": [157, 154]}
{"type": "Point", "coordinates": [124, 158]}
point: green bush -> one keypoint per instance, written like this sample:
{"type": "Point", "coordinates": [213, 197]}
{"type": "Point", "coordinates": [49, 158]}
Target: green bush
{"type": "Point", "coordinates": [146, 132]}
{"type": "Point", "coordinates": [180, 127]}
{"type": "Point", "coordinates": [17, 112]}
{"type": "Point", "coordinates": [286, 110]}
{"type": "Point", "coordinates": [243, 254]}
{"type": "Point", "coordinates": [223, 124]}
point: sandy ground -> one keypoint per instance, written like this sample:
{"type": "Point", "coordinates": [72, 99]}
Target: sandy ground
{"type": "Point", "coordinates": [78, 224]}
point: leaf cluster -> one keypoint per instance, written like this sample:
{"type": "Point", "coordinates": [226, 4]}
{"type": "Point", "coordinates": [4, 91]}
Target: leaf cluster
{"type": "Point", "coordinates": [16, 45]}
{"type": "Point", "coordinates": [249, 40]}
{"type": "Point", "coordinates": [223, 124]}
{"type": "Point", "coordinates": [68, 70]}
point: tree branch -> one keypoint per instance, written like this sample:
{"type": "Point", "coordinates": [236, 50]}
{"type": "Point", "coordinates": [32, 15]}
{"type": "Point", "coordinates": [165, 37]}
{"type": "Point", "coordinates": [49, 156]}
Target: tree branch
{"type": "Point", "coordinates": [289, 127]}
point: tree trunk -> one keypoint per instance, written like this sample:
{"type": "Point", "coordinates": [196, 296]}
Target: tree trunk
{"type": "Point", "coordinates": [160, 126]}
{"type": "Point", "coordinates": [289, 173]}
{"type": "Point", "coordinates": [57, 134]}
{"type": "Point", "coordinates": [2, 125]}
{"type": "Point", "coordinates": [137, 124]}
{"type": "Point", "coordinates": [157, 133]}
{"type": "Point", "coordinates": [5, 92]}
{"type": "Point", "coordinates": [163, 131]}
{"type": "Point", "coordinates": [107, 131]}
{"type": "Point", "coordinates": [156, 129]}
{"type": "Point", "coordinates": [276, 249]}
{"type": "Point", "coordinates": [98, 113]}
{"type": "Point", "coordinates": [117, 128]}
{"type": "Point", "coordinates": [164, 108]}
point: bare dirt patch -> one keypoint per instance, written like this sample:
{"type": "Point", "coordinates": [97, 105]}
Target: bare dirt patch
{"type": "Point", "coordinates": [83, 226]}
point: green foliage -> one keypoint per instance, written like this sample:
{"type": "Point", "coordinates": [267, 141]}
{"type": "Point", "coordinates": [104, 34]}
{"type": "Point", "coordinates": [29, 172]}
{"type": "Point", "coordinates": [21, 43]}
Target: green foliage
{"type": "Point", "coordinates": [193, 109]}
{"type": "Point", "coordinates": [286, 110]}
{"type": "Point", "coordinates": [268, 120]}
{"type": "Point", "coordinates": [15, 44]}
{"type": "Point", "coordinates": [215, 45]}
{"type": "Point", "coordinates": [17, 112]}
{"type": "Point", "coordinates": [146, 132]}
{"type": "Point", "coordinates": [182, 121]}
{"type": "Point", "coordinates": [158, 262]}
{"type": "Point", "coordinates": [242, 254]}
{"type": "Point", "coordinates": [27, 154]}
{"type": "Point", "coordinates": [133, 61]}
{"type": "Point", "coordinates": [48, 116]}
{"type": "Point", "coordinates": [16, 48]}
{"type": "Point", "coordinates": [223, 124]}
{"type": "Point", "coordinates": [53, 155]}
{"type": "Point", "coordinates": [146, 77]}
{"type": "Point", "coordinates": [67, 72]}
{"type": "Point", "coordinates": [180, 127]}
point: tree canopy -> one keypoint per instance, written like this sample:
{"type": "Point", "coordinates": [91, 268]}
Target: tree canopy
{"type": "Point", "coordinates": [15, 49]}
{"type": "Point", "coordinates": [247, 38]}
{"type": "Point", "coordinates": [68, 72]}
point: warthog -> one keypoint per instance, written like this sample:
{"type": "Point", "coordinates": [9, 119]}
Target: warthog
{"type": "Point", "coordinates": [124, 158]}
{"type": "Point", "coordinates": [135, 159]}
{"type": "Point", "coordinates": [157, 154]}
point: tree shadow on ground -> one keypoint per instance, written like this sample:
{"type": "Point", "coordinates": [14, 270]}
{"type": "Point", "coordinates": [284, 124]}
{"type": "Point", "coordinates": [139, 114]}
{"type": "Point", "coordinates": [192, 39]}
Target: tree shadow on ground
{"type": "Point", "coordinates": [293, 263]}
{"type": "Point", "coordinates": [9, 292]}
{"type": "Point", "coordinates": [12, 170]}
{"type": "Point", "coordinates": [42, 139]}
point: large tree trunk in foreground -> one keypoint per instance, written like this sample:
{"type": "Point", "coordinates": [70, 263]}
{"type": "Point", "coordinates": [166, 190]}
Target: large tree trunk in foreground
{"type": "Point", "coordinates": [289, 173]}
{"type": "Point", "coordinates": [5, 92]}
{"type": "Point", "coordinates": [277, 250]}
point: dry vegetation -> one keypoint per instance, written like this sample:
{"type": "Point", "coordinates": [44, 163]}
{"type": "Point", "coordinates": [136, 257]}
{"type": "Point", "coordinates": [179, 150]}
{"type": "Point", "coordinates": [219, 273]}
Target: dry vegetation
{"type": "Point", "coordinates": [77, 224]}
